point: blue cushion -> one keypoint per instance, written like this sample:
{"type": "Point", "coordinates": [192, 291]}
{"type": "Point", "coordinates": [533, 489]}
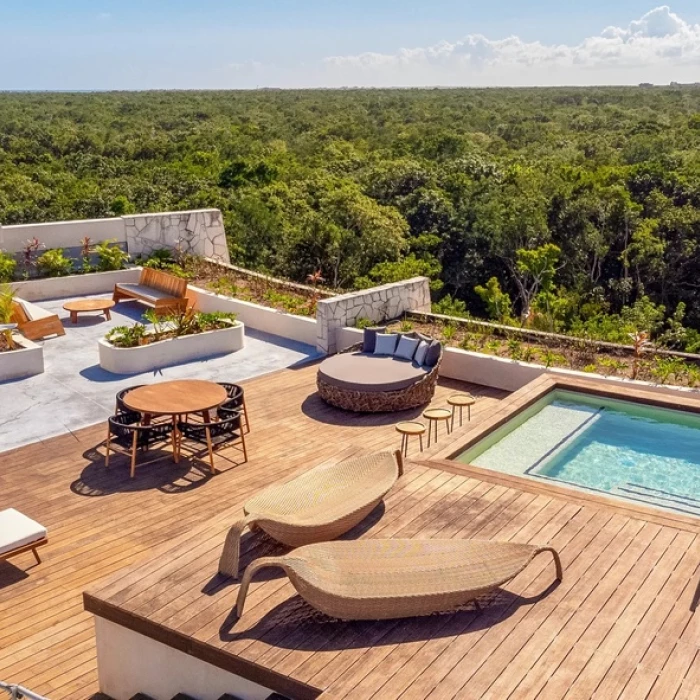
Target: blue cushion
{"type": "Point", "coordinates": [433, 354]}
{"type": "Point", "coordinates": [406, 348]}
{"type": "Point", "coordinates": [369, 337]}
{"type": "Point", "coordinates": [385, 343]}
{"type": "Point", "coordinates": [421, 350]}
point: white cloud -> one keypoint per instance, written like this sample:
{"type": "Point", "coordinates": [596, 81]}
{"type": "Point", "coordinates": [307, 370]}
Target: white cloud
{"type": "Point", "coordinates": [246, 66]}
{"type": "Point", "coordinates": [659, 47]}
{"type": "Point", "coordinates": [105, 15]}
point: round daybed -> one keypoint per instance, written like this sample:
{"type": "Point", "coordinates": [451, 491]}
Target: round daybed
{"type": "Point", "coordinates": [369, 383]}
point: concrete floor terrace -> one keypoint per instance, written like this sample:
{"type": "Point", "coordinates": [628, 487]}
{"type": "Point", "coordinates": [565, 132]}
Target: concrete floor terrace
{"type": "Point", "coordinates": [75, 392]}
{"type": "Point", "coordinates": [620, 624]}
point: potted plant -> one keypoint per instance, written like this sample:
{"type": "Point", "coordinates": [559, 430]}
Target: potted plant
{"type": "Point", "coordinates": [7, 299]}
{"type": "Point", "coordinates": [19, 357]}
{"type": "Point", "coordinates": [168, 341]}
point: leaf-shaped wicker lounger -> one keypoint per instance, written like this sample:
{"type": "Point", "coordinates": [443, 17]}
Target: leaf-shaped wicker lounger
{"type": "Point", "coordinates": [381, 579]}
{"type": "Point", "coordinates": [317, 506]}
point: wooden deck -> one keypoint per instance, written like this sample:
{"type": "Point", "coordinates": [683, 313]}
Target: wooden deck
{"type": "Point", "coordinates": [100, 522]}
{"type": "Point", "coordinates": [619, 625]}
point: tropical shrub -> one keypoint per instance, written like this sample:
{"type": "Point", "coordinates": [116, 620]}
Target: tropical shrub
{"type": "Point", "coordinates": [53, 263]}
{"type": "Point", "coordinates": [7, 267]}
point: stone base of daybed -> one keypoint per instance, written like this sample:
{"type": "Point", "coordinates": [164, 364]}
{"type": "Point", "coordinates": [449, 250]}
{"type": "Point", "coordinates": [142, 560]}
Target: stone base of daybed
{"type": "Point", "coordinates": [416, 395]}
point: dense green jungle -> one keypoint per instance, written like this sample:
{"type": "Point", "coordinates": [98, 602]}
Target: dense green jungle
{"type": "Point", "coordinates": [574, 210]}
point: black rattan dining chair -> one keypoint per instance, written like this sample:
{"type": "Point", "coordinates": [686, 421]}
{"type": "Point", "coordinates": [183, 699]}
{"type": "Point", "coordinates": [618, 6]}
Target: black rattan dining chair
{"type": "Point", "coordinates": [121, 408]}
{"type": "Point", "coordinates": [234, 403]}
{"type": "Point", "coordinates": [125, 430]}
{"type": "Point", "coordinates": [213, 436]}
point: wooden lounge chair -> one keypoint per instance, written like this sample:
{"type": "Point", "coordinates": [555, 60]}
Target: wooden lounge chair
{"type": "Point", "coordinates": [320, 505]}
{"type": "Point", "coordinates": [33, 322]}
{"type": "Point", "coordinates": [384, 579]}
{"type": "Point", "coordinates": [18, 534]}
{"type": "Point", "coordinates": [165, 293]}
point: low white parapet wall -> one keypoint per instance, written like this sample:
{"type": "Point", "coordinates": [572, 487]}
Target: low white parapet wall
{"type": "Point", "coordinates": [74, 285]}
{"type": "Point", "coordinates": [261, 318]}
{"type": "Point", "coordinates": [195, 231]}
{"type": "Point", "coordinates": [62, 234]}
{"type": "Point", "coordinates": [505, 374]}
{"type": "Point", "coordinates": [377, 304]}
{"type": "Point", "coordinates": [497, 372]}
{"type": "Point", "coordinates": [129, 663]}
{"type": "Point", "coordinates": [25, 362]}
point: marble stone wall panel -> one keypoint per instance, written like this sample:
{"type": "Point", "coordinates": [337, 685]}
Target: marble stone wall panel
{"type": "Point", "coordinates": [196, 232]}
{"type": "Point", "coordinates": [377, 304]}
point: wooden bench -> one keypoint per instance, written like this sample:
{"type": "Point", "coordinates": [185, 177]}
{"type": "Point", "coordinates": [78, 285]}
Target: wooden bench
{"type": "Point", "coordinates": [165, 293]}
{"type": "Point", "coordinates": [33, 322]}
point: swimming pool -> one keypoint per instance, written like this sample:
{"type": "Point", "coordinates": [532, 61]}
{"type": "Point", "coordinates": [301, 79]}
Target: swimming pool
{"type": "Point", "coordinates": [633, 451]}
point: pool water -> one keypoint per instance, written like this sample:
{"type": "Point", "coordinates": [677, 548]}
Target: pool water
{"type": "Point", "coordinates": [632, 451]}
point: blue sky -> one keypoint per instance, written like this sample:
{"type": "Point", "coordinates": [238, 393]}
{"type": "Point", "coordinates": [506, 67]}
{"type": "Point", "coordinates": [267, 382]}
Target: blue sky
{"type": "Point", "coordinates": [106, 44]}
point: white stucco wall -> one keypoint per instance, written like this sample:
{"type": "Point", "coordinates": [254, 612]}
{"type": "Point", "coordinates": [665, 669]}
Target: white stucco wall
{"type": "Point", "coordinates": [26, 362]}
{"type": "Point", "coordinates": [502, 373]}
{"type": "Point", "coordinates": [262, 318]}
{"type": "Point", "coordinates": [62, 234]}
{"type": "Point", "coordinates": [129, 663]}
{"type": "Point", "coordinates": [196, 231]}
{"type": "Point", "coordinates": [74, 285]}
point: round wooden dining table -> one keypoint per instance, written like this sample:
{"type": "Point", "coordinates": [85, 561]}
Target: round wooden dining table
{"type": "Point", "coordinates": [176, 398]}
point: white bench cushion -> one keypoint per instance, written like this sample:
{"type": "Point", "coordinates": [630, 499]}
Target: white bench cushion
{"type": "Point", "coordinates": [17, 530]}
{"type": "Point", "coordinates": [33, 312]}
{"type": "Point", "coordinates": [147, 293]}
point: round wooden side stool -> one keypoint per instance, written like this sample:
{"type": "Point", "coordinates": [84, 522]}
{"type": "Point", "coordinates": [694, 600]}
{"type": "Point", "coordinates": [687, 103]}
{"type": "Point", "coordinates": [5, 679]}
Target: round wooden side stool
{"type": "Point", "coordinates": [406, 430]}
{"type": "Point", "coordinates": [435, 416]}
{"type": "Point", "coordinates": [459, 401]}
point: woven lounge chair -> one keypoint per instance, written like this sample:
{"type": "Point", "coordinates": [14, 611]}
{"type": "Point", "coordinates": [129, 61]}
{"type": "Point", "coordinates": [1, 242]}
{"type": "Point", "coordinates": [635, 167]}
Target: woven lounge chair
{"type": "Point", "coordinates": [385, 579]}
{"type": "Point", "coordinates": [320, 505]}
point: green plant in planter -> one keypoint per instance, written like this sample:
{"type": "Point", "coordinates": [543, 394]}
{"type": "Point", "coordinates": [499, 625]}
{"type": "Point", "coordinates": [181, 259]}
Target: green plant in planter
{"type": "Point", "coordinates": [7, 267]}
{"type": "Point", "coordinates": [110, 256]}
{"type": "Point", "coordinates": [215, 320]}
{"type": "Point", "coordinates": [529, 354]}
{"type": "Point", "coordinates": [693, 377]}
{"type": "Point", "coordinates": [85, 252]}
{"type": "Point", "coordinates": [159, 258]}
{"type": "Point", "coordinates": [7, 297]}
{"type": "Point", "coordinates": [515, 349]}
{"type": "Point", "coordinates": [53, 263]}
{"type": "Point", "coordinates": [609, 365]}
{"type": "Point", "coordinates": [164, 259]}
{"type": "Point", "coordinates": [448, 332]}
{"type": "Point", "coordinates": [467, 342]}
{"type": "Point", "coordinates": [160, 324]}
{"type": "Point", "coordinates": [663, 368]}
{"type": "Point", "coordinates": [492, 347]}
{"type": "Point", "coordinates": [548, 358]}
{"type": "Point", "coordinates": [362, 323]}
{"type": "Point", "coordinates": [127, 336]}
{"type": "Point", "coordinates": [174, 326]}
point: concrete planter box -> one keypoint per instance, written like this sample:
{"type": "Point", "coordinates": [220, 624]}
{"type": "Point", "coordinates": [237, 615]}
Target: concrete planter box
{"type": "Point", "coordinates": [261, 318]}
{"type": "Point", "coordinates": [25, 362]}
{"type": "Point", "coordinates": [173, 351]}
{"type": "Point", "coordinates": [74, 285]}
{"type": "Point", "coordinates": [498, 372]}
